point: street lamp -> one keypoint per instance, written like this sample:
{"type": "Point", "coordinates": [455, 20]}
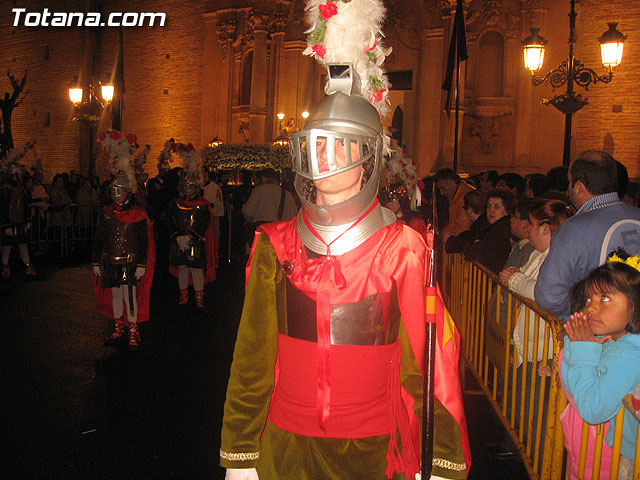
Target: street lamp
{"type": "Point", "coordinates": [89, 111]}
{"type": "Point", "coordinates": [282, 138]}
{"type": "Point", "coordinates": [571, 70]}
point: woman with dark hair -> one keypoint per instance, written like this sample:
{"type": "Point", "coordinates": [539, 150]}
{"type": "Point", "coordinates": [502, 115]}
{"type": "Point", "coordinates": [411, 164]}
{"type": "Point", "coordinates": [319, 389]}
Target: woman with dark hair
{"type": "Point", "coordinates": [493, 248]}
{"type": "Point", "coordinates": [474, 206]}
{"type": "Point", "coordinates": [535, 185]}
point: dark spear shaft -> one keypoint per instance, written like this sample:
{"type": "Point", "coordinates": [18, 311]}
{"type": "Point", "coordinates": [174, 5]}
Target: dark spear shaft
{"type": "Point", "coordinates": [429, 358]}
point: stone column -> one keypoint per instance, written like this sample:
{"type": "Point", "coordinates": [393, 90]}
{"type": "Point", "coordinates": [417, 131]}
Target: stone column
{"type": "Point", "coordinates": [260, 23]}
{"type": "Point", "coordinates": [427, 143]}
{"type": "Point", "coordinates": [217, 73]}
{"type": "Point", "coordinates": [527, 99]}
{"type": "Point", "coordinates": [277, 49]}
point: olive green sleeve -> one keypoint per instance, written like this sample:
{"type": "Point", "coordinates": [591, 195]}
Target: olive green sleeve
{"type": "Point", "coordinates": [252, 371]}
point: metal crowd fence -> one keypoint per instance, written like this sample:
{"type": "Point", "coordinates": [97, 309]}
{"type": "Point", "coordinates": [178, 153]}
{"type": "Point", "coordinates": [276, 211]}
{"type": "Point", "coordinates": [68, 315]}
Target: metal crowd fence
{"type": "Point", "coordinates": [528, 405]}
{"type": "Point", "coordinates": [63, 227]}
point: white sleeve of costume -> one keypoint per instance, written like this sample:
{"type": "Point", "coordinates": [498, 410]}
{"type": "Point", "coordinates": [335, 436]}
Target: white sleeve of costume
{"type": "Point", "coordinates": [241, 474]}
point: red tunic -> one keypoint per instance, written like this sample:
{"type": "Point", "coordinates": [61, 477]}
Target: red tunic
{"type": "Point", "coordinates": [391, 256]}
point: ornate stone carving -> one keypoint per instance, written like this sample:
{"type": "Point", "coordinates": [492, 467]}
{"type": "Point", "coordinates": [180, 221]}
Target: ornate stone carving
{"type": "Point", "coordinates": [492, 10]}
{"type": "Point", "coordinates": [450, 5]}
{"type": "Point", "coordinates": [402, 20]}
{"type": "Point", "coordinates": [279, 24]}
{"type": "Point", "coordinates": [260, 22]}
{"type": "Point", "coordinates": [226, 32]}
{"type": "Point", "coordinates": [243, 130]}
{"type": "Point", "coordinates": [485, 129]}
{"type": "Point", "coordinates": [527, 4]}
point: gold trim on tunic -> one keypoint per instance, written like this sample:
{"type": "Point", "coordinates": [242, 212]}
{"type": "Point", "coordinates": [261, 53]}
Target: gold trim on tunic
{"type": "Point", "coordinates": [442, 463]}
{"type": "Point", "coordinates": [239, 457]}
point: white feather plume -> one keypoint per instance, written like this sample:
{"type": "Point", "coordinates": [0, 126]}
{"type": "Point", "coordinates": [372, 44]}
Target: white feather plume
{"type": "Point", "coordinates": [190, 161]}
{"type": "Point", "coordinates": [121, 152]}
{"type": "Point", "coordinates": [354, 35]}
{"type": "Point", "coordinates": [164, 158]}
{"type": "Point", "coordinates": [15, 155]}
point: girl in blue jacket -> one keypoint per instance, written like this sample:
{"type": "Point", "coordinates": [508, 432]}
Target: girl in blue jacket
{"type": "Point", "coordinates": [601, 362]}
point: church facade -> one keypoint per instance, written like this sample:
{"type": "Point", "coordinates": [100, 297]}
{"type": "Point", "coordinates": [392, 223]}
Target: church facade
{"type": "Point", "coordinates": [228, 68]}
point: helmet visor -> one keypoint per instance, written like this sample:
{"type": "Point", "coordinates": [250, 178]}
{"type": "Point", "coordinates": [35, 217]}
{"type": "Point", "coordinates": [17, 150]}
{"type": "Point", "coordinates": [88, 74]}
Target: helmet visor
{"type": "Point", "coordinates": [320, 153]}
{"type": "Point", "coordinates": [119, 194]}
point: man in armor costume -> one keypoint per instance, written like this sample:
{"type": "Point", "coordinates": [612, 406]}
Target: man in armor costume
{"type": "Point", "coordinates": [192, 251]}
{"type": "Point", "coordinates": [124, 256]}
{"type": "Point", "coordinates": [14, 220]}
{"type": "Point", "coordinates": [327, 368]}
{"type": "Point", "coordinates": [14, 208]}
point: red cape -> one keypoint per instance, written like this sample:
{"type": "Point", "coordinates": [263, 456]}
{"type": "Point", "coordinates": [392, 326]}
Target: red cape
{"type": "Point", "coordinates": [209, 238]}
{"type": "Point", "coordinates": [143, 287]}
{"type": "Point", "coordinates": [366, 273]}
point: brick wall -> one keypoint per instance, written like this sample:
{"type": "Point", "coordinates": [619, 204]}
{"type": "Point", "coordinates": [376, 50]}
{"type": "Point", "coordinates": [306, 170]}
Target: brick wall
{"type": "Point", "coordinates": [23, 50]}
{"type": "Point", "coordinates": [162, 65]}
{"type": "Point", "coordinates": [597, 125]}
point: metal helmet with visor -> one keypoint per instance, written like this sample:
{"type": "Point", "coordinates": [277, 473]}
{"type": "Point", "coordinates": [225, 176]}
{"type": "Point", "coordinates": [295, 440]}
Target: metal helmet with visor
{"type": "Point", "coordinates": [342, 133]}
{"type": "Point", "coordinates": [120, 188]}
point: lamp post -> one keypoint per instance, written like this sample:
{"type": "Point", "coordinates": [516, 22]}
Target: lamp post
{"type": "Point", "coordinates": [571, 71]}
{"type": "Point", "coordinates": [281, 139]}
{"type": "Point", "coordinates": [89, 111]}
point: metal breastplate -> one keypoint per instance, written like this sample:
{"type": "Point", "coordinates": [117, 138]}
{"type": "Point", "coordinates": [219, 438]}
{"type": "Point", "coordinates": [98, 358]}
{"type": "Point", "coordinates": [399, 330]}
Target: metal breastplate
{"type": "Point", "coordinates": [374, 320]}
{"type": "Point", "coordinates": [122, 239]}
{"type": "Point", "coordinates": [191, 220]}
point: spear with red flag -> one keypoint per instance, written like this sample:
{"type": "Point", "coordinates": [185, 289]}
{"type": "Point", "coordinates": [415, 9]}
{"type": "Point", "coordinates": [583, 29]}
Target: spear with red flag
{"type": "Point", "coordinates": [428, 402]}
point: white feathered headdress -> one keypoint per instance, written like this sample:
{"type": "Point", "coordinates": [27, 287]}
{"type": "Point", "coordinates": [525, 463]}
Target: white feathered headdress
{"type": "Point", "coordinates": [164, 158]}
{"type": "Point", "coordinates": [190, 162]}
{"type": "Point", "coordinates": [121, 152]}
{"type": "Point", "coordinates": [15, 155]}
{"type": "Point", "coordinates": [349, 31]}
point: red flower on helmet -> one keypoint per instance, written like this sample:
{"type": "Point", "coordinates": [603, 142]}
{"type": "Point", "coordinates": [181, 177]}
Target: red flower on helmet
{"type": "Point", "coordinates": [132, 138]}
{"type": "Point", "coordinates": [190, 147]}
{"type": "Point", "coordinates": [377, 95]}
{"type": "Point", "coordinates": [368, 49]}
{"type": "Point", "coordinates": [115, 135]}
{"type": "Point", "coordinates": [101, 137]}
{"type": "Point", "coordinates": [327, 11]}
{"type": "Point", "coordinates": [319, 50]}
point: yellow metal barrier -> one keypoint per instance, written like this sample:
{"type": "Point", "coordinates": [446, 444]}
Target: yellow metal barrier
{"type": "Point", "coordinates": [529, 406]}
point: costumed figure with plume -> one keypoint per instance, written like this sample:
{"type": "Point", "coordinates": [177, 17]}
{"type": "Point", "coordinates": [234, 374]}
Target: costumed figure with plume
{"type": "Point", "coordinates": [14, 209]}
{"type": "Point", "coordinates": [327, 372]}
{"type": "Point", "coordinates": [402, 194]}
{"type": "Point", "coordinates": [158, 195]}
{"type": "Point", "coordinates": [124, 249]}
{"type": "Point", "coordinates": [161, 191]}
{"type": "Point", "coordinates": [192, 256]}
{"type": "Point", "coordinates": [141, 176]}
